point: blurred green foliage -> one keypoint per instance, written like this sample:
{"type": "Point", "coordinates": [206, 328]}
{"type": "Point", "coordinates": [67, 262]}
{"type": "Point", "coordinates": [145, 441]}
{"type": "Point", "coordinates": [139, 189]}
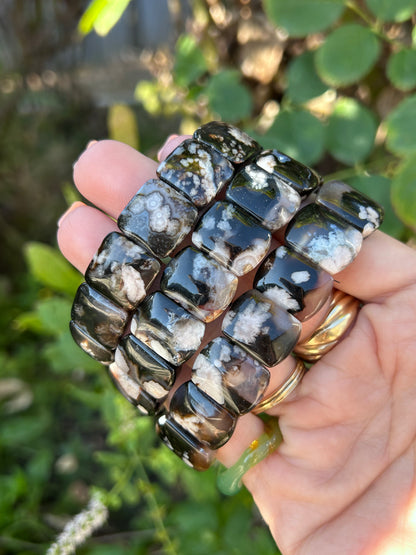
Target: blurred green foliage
{"type": "Point", "coordinates": [330, 82]}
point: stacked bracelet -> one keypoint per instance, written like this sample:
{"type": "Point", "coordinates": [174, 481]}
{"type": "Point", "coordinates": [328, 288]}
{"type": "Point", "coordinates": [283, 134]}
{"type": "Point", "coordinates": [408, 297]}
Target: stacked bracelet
{"type": "Point", "coordinates": [148, 299]}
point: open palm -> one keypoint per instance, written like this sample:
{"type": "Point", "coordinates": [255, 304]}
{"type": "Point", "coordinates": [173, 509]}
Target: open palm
{"type": "Point", "coordinates": [343, 480]}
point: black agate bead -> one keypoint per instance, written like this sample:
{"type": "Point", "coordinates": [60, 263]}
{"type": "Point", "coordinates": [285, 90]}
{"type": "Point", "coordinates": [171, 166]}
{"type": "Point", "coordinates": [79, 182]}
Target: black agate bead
{"type": "Point", "coordinates": [232, 237]}
{"type": "Point", "coordinates": [199, 284]}
{"type": "Point", "coordinates": [262, 327]}
{"type": "Point", "coordinates": [91, 346]}
{"type": "Point", "coordinates": [122, 271]}
{"type": "Point", "coordinates": [351, 205]}
{"type": "Point", "coordinates": [167, 328]}
{"type": "Point", "coordinates": [293, 282]}
{"type": "Point", "coordinates": [196, 170]}
{"type": "Point", "coordinates": [200, 416]}
{"type": "Point", "coordinates": [230, 376]}
{"type": "Point", "coordinates": [230, 141]}
{"type": "Point", "coordinates": [287, 170]}
{"type": "Point", "coordinates": [183, 444]}
{"type": "Point", "coordinates": [158, 217]}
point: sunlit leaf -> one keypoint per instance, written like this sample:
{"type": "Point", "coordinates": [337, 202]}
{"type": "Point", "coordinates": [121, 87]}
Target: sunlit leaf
{"type": "Point", "coordinates": [122, 125]}
{"type": "Point", "coordinates": [303, 83]}
{"type": "Point", "coordinates": [351, 131]}
{"type": "Point", "coordinates": [404, 192]}
{"type": "Point", "coordinates": [228, 97]}
{"type": "Point", "coordinates": [392, 10]}
{"type": "Point", "coordinates": [401, 125]}
{"type": "Point", "coordinates": [147, 92]}
{"type": "Point", "coordinates": [401, 69]}
{"type": "Point", "coordinates": [347, 55]}
{"type": "Point", "coordinates": [50, 268]}
{"type": "Point", "coordinates": [190, 62]}
{"type": "Point", "coordinates": [101, 16]}
{"type": "Point", "coordinates": [302, 17]}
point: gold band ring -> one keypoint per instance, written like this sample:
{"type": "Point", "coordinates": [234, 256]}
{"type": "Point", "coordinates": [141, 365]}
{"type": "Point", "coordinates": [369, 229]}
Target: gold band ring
{"type": "Point", "coordinates": [342, 313]}
{"type": "Point", "coordinates": [282, 391]}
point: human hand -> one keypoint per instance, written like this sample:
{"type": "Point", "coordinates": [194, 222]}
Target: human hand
{"type": "Point", "coordinates": [342, 481]}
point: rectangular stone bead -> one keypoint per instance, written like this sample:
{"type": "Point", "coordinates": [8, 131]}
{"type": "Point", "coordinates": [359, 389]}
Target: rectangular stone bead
{"type": "Point", "coordinates": [227, 139]}
{"type": "Point", "coordinates": [287, 170]}
{"type": "Point", "coordinates": [133, 391]}
{"type": "Point", "coordinates": [98, 317]}
{"type": "Point", "coordinates": [270, 200]}
{"type": "Point", "coordinates": [323, 238]}
{"type": "Point", "coordinates": [351, 206]}
{"type": "Point", "coordinates": [91, 346]}
{"type": "Point", "coordinates": [291, 281]}
{"type": "Point", "coordinates": [197, 171]}
{"type": "Point", "coordinates": [122, 271]}
{"type": "Point", "coordinates": [185, 446]}
{"type": "Point", "coordinates": [167, 328]}
{"type": "Point", "coordinates": [230, 376]}
{"type": "Point", "coordinates": [138, 371]}
{"type": "Point", "coordinates": [232, 237]}
{"type": "Point", "coordinates": [158, 217]}
{"type": "Point", "coordinates": [261, 327]}
{"type": "Point", "coordinates": [200, 416]}
{"type": "Point", "coordinates": [199, 284]}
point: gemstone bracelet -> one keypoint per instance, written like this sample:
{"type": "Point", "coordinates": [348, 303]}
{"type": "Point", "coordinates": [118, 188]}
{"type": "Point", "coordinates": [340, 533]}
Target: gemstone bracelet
{"type": "Point", "coordinates": [186, 238]}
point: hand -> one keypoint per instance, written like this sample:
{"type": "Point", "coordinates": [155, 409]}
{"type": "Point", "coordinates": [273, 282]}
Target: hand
{"type": "Point", "coordinates": [343, 480]}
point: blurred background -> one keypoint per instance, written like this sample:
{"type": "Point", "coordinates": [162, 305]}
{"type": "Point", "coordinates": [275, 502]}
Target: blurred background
{"type": "Point", "coordinates": [330, 82]}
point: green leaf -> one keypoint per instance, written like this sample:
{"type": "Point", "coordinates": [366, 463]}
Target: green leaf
{"type": "Point", "coordinates": [50, 317]}
{"type": "Point", "coordinates": [50, 268]}
{"type": "Point", "coordinates": [122, 125]}
{"type": "Point", "coordinates": [190, 62]}
{"type": "Point", "coordinates": [347, 55]}
{"type": "Point", "coordinates": [303, 83]}
{"type": "Point", "coordinates": [302, 17]}
{"type": "Point", "coordinates": [64, 355]}
{"type": "Point", "coordinates": [147, 92]}
{"type": "Point", "coordinates": [392, 10]}
{"type": "Point", "coordinates": [401, 125]}
{"type": "Point", "coordinates": [102, 15]}
{"type": "Point", "coordinates": [228, 97]}
{"type": "Point", "coordinates": [404, 192]}
{"type": "Point", "coordinates": [351, 131]}
{"type": "Point", "coordinates": [378, 188]}
{"type": "Point", "coordinates": [401, 69]}
{"type": "Point", "coordinates": [298, 134]}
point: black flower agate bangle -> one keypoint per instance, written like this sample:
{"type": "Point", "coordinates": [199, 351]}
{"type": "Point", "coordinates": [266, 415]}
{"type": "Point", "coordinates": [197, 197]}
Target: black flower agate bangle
{"type": "Point", "coordinates": [143, 324]}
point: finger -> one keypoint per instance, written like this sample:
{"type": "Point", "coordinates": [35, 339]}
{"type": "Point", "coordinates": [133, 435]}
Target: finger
{"type": "Point", "coordinates": [110, 173]}
{"type": "Point", "coordinates": [80, 233]}
{"type": "Point", "coordinates": [383, 266]}
{"type": "Point", "coordinates": [171, 143]}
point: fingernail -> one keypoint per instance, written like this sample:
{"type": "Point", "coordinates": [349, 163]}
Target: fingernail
{"type": "Point", "coordinates": [73, 207]}
{"type": "Point", "coordinates": [160, 153]}
{"type": "Point", "coordinates": [90, 143]}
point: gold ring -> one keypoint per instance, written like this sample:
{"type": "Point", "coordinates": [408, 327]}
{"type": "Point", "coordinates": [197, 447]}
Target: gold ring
{"type": "Point", "coordinates": [282, 391]}
{"type": "Point", "coordinates": [342, 313]}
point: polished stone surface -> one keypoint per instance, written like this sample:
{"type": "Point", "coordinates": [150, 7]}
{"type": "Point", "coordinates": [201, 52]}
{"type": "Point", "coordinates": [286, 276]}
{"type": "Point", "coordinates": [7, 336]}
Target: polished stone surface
{"type": "Point", "coordinates": [293, 282]}
{"type": "Point", "coordinates": [122, 271]}
{"type": "Point", "coordinates": [184, 445]}
{"type": "Point", "coordinates": [227, 139]}
{"type": "Point", "coordinates": [199, 284]}
{"type": "Point", "coordinates": [230, 376]}
{"type": "Point", "coordinates": [263, 328]}
{"type": "Point", "coordinates": [271, 201]}
{"type": "Point", "coordinates": [91, 346]}
{"type": "Point", "coordinates": [159, 217]}
{"type": "Point", "coordinates": [232, 237]}
{"type": "Point", "coordinates": [350, 205]}
{"type": "Point", "coordinates": [98, 317]}
{"type": "Point", "coordinates": [167, 328]}
{"type": "Point", "coordinates": [140, 372]}
{"type": "Point", "coordinates": [196, 170]}
{"type": "Point", "coordinates": [287, 170]}
{"type": "Point", "coordinates": [323, 238]}
{"type": "Point", "coordinates": [201, 416]}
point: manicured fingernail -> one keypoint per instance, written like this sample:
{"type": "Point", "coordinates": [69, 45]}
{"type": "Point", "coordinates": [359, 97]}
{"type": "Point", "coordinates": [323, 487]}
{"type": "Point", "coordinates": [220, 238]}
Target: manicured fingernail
{"type": "Point", "coordinates": [73, 207]}
{"type": "Point", "coordinates": [90, 143]}
{"type": "Point", "coordinates": [161, 154]}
